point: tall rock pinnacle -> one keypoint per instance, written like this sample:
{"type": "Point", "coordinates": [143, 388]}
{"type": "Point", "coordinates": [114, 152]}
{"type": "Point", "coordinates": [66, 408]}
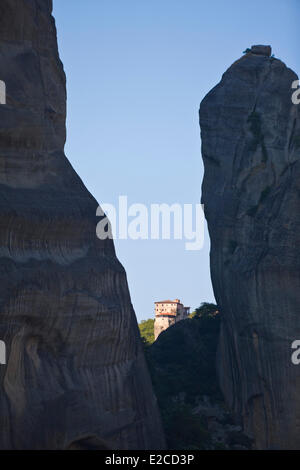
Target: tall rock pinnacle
{"type": "Point", "coordinates": [250, 132]}
{"type": "Point", "coordinates": [75, 375]}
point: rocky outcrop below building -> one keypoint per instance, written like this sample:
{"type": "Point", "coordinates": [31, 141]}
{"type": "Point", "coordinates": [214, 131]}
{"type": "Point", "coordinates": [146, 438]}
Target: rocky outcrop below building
{"type": "Point", "coordinates": [250, 132]}
{"type": "Point", "coordinates": [183, 368]}
{"type": "Point", "coordinates": [75, 375]}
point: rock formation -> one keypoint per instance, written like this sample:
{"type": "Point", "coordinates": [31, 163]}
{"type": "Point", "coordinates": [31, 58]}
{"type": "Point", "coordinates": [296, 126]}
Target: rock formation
{"type": "Point", "coordinates": [251, 192]}
{"type": "Point", "coordinates": [75, 375]}
{"type": "Point", "coordinates": [186, 385]}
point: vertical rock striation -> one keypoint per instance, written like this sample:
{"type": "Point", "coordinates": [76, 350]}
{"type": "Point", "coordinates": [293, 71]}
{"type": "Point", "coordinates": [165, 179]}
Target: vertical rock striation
{"type": "Point", "coordinates": [75, 374]}
{"type": "Point", "coordinates": [251, 191]}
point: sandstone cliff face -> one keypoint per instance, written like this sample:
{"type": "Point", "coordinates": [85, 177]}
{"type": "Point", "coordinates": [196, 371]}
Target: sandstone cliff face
{"type": "Point", "coordinates": [75, 374]}
{"type": "Point", "coordinates": [251, 191]}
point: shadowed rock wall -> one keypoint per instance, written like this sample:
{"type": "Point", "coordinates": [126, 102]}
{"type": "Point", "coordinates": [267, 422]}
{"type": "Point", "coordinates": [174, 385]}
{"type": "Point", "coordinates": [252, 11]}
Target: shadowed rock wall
{"type": "Point", "coordinates": [251, 191]}
{"type": "Point", "coordinates": [75, 374]}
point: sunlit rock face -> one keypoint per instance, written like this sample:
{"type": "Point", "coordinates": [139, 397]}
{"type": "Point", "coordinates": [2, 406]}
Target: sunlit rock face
{"type": "Point", "coordinates": [75, 375]}
{"type": "Point", "coordinates": [250, 132]}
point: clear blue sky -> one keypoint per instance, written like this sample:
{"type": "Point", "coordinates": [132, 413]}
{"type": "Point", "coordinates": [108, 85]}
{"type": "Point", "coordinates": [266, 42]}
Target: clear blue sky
{"type": "Point", "coordinates": [136, 73]}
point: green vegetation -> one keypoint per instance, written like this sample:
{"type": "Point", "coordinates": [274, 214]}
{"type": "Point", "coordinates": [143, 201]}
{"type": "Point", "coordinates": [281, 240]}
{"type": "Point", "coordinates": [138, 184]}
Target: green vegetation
{"type": "Point", "coordinates": [182, 364]}
{"type": "Point", "coordinates": [183, 359]}
{"type": "Point", "coordinates": [147, 331]}
{"type": "Point", "coordinates": [184, 429]}
{"type": "Point", "coordinates": [206, 310]}
{"type": "Point", "coordinates": [180, 351]}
